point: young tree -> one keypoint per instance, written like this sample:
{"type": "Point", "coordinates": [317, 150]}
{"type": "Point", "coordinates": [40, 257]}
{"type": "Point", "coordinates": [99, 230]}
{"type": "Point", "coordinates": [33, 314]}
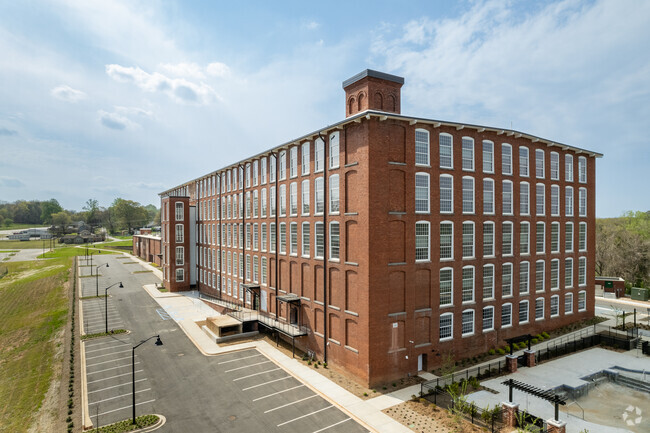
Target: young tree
{"type": "Point", "coordinates": [48, 208]}
{"type": "Point", "coordinates": [92, 208]}
{"type": "Point", "coordinates": [128, 214]}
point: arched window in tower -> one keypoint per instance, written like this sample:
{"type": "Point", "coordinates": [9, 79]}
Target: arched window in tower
{"type": "Point", "coordinates": [379, 101]}
{"type": "Point", "coordinates": [351, 105]}
{"type": "Point", "coordinates": [391, 105]}
{"type": "Point", "coordinates": [361, 97]}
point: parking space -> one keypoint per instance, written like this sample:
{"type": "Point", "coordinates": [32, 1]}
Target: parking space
{"type": "Point", "coordinates": [285, 403]}
{"type": "Point", "coordinates": [94, 311]}
{"type": "Point", "coordinates": [110, 379]}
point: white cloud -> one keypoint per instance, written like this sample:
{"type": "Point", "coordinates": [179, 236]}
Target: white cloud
{"type": "Point", "coordinates": [310, 24]}
{"type": "Point", "coordinates": [179, 89]}
{"type": "Point", "coordinates": [218, 69]}
{"type": "Point", "coordinates": [123, 117]}
{"type": "Point", "coordinates": [67, 93]}
{"type": "Point", "coordinates": [187, 70]}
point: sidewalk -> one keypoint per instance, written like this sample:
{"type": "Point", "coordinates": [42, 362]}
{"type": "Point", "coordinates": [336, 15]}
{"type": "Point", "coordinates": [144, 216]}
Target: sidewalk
{"type": "Point", "coordinates": [644, 306]}
{"type": "Point", "coordinates": [186, 308]}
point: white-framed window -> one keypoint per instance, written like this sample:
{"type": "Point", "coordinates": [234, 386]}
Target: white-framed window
{"type": "Point", "coordinates": [539, 164]}
{"type": "Point", "coordinates": [488, 239]}
{"type": "Point", "coordinates": [263, 203]}
{"type": "Point", "coordinates": [293, 238]}
{"type": "Point", "coordinates": [555, 306]}
{"type": "Point", "coordinates": [446, 193]}
{"type": "Point", "coordinates": [263, 237]}
{"type": "Point", "coordinates": [293, 199]}
{"type": "Point", "coordinates": [180, 275]}
{"type": "Point", "coordinates": [568, 167]}
{"type": "Point", "coordinates": [488, 319]}
{"type": "Point", "coordinates": [468, 195]}
{"type": "Point", "coordinates": [179, 211]}
{"type": "Point", "coordinates": [422, 250]}
{"type": "Point", "coordinates": [446, 240]}
{"type": "Point", "coordinates": [422, 193]}
{"type": "Point", "coordinates": [488, 282]}
{"type": "Point", "coordinates": [568, 201]}
{"type": "Point", "coordinates": [446, 150]}
{"type": "Point", "coordinates": [264, 271]}
{"type": "Point", "coordinates": [334, 241]}
{"type": "Point", "coordinates": [540, 275]}
{"type": "Point", "coordinates": [334, 194]}
{"type": "Point", "coordinates": [523, 312]}
{"type": "Point", "coordinates": [334, 150]}
{"type": "Point", "coordinates": [283, 238]}
{"type": "Point", "coordinates": [568, 237]}
{"type": "Point", "coordinates": [568, 273]}
{"type": "Point", "coordinates": [293, 161]}
{"type": "Point", "coordinates": [524, 198]}
{"type": "Point", "coordinates": [319, 155]}
{"type": "Point", "coordinates": [272, 167]}
{"type": "Point", "coordinates": [283, 199]}
{"type": "Point", "coordinates": [320, 240]}
{"type": "Point", "coordinates": [180, 233]}
{"type": "Point", "coordinates": [248, 175]}
{"type": "Point", "coordinates": [506, 315]}
{"type": "Point", "coordinates": [305, 240]}
{"type": "Point", "coordinates": [180, 256]}
{"type": "Point", "coordinates": [524, 238]}
{"type": "Point", "coordinates": [446, 326]}
{"type": "Point", "coordinates": [488, 156]}
{"type": "Point", "coordinates": [555, 200]}
{"type": "Point", "coordinates": [468, 153]}
{"type": "Point", "coordinates": [468, 323]}
{"type": "Point", "coordinates": [506, 197]}
{"type": "Point", "coordinates": [506, 238]}
{"type": "Point", "coordinates": [555, 274]}
{"type": "Point", "coordinates": [488, 196]}
{"type": "Point", "coordinates": [468, 240]}
{"type": "Point", "coordinates": [582, 202]}
{"type": "Point", "coordinates": [540, 200]}
{"type": "Point", "coordinates": [272, 202]}
{"type": "Point", "coordinates": [446, 287]}
{"type": "Point", "coordinates": [582, 300]}
{"type": "Point", "coordinates": [568, 303]}
{"type": "Point", "coordinates": [256, 235]}
{"type": "Point", "coordinates": [304, 190]}
{"type": "Point", "coordinates": [506, 280]}
{"type": "Point", "coordinates": [319, 199]}
{"type": "Point", "coordinates": [555, 237]}
{"type": "Point", "coordinates": [582, 271]}
{"type": "Point", "coordinates": [524, 272]}
{"type": "Point", "coordinates": [304, 153]}
{"type": "Point", "coordinates": [421, 147]}
{"type": "Point", "coordinates": [263, 165]}
{"type": "Point", "coordinates": [272, 238]}
{"type": "Point", "coordinates": [582, 169]}
{"type": "Point", "coordinates": [256, 164]}
{"type": "Point", "coordinates": [282, 170]}
{"type": "Point", "coordinates": [555, 166]}
{"type": "Point", "coordinates": [540, 238]}
{"type": "Point", "coordinates": [248, 267]}
{"type": "Point", "coordinates": [524, 158]}
{"type": "Point", "coordinates": [506, 159]}
{"type": "Point", "coordinates": [468, 284]}
{"type": "Point", "coordinates": [539, 309]}
{"type": "Point", "coordinates": [582, 237]}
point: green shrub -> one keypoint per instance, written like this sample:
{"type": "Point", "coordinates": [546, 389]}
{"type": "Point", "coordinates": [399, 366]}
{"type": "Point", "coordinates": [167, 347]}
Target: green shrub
{"type": "Point", "coordinates": [534, 341]}
{"type": "Point", "coordinates": [491, 352]}
{"type": "Point", "coordinates": [501, 351]}
{"type": "Point", "coordinates": [545, 334]}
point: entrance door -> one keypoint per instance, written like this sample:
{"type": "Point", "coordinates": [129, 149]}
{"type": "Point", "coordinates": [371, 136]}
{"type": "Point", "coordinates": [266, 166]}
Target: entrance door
{"type": "Point", "coordinates": [256, 301]}
{"type": "Point", "coordinates": [293, 315]}
{"type": "Point", "coordinates": [263, 300]}
{"type": "Point", "coordinates": [422, 362]}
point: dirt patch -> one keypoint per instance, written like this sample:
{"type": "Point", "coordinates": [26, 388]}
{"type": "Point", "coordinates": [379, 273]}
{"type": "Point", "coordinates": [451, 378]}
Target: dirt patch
{"type": "Point", "coordinates": [428, 418]}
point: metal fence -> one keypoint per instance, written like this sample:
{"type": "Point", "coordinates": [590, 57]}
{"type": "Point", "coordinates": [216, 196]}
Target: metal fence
{"type": "Point", "coordinates": [530, 423]}
{"type": "Point", "coordinates": [480, 372]}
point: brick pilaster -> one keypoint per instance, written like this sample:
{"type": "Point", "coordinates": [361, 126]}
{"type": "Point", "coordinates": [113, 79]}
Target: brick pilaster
{"type": "Point", "coordinates": [555, 426]}
{"type": "Point", "coordinates": [530, 358]}
{"type": "Point", "coordinates": [510, 412]}
{"type": "Point", "coordinates": [511, 363]}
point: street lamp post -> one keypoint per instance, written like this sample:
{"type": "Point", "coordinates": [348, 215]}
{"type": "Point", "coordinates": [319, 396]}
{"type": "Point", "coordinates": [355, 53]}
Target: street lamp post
{"type": "Point", "coordinates": [106, 302]}
{"type": "Point", "coordinates": [158, 343]}
{"type": "Point", "coordinates": [97, 278]}
{"type": "Point", "coordinates": [91, 264]}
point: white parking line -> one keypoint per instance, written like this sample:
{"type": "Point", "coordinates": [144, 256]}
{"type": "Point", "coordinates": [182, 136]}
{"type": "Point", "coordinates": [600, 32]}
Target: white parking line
{"type": "Point", "coordinates": [112, 368]}
{"type": "Point", "coordinates": [113, 377]}
{"type": "Point", "coordinates": [106, 362]}
{"type": "Point", "coordinates": [305, 415]}
{"type": "Point", "coordinates": [246, 366]}
{"type": "Point", "coordinates": [107, 354]}
{"type": "Point", "coordinates": [239, 359]}
{"type": "Point", "coordinates": [266, 383]}
{"type": "Point", "coordinates": [333, 425]}
{"type": "Point", "coordinates": [117, 386]}
{"type": "Point", "coordinates": [119, 396]}
{"type": "Point", "coordinates": [279, 392]}
{"type": "Point", "coordinates": [92, 344]}
{"type": "Point", "coordinates": [256, 374]}
{"type": "Point", "coordinates": [126, 407]}
{"type": "Point", "coordinates": [106, 348]}
{"type": "Point", "coordinates": [289, 404]}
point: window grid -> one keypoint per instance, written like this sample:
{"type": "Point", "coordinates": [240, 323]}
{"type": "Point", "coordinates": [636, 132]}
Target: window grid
{"type": "Point", "coordinates": [468, 195]}
{"type": "Point", "coordinates": [421, 147]}
{"type": "Point", "coordinates": [507, 197]}
{"type": "Point", "coordinates": [506, 315]}
{"type": "Point", "coordinates": [488, 319]}
{"type": "Point", "coordinates": [568, 273]}
{"type": "Point", "coordinates": [523, 161]}
{"type": "Point", "coordinates": [523, 312]}
{"type": "Point", "coordinates": [488, 196]}
{"type": "Point", "coordinates": [468, 284]}
{"type": "Point", "coordinates": [446, 240]}
{"type": "Point", "coordinates": [468, 322]}
{"type": "Point", "coordinates": [446, 151]}
{"type": "Point", "coordinates": [539, 164]}
{"type": "Point", "coordinates": [446, 286]}
{"type": "Point", "coordinates": [422, 193]}
{"type": "Point", "coordinates": [468, 240]}
{"type": "Point", "coordinates": [468, 153]}
{"type": "Point", "coordinates": [488, 282]}
{"type": "Point", "coordinates": [506, 280]}
{"type": "Point", "coordinates": [506, 234]}
{"type": "Point", "coordinates": [506, 159]}
{"type": "Point", "coordinates": [488, 239]}
{"type": "Point", "coordinates": [446, 326]}
{"type": "Point", "coordinates": [539, 309]}
{"type": "Point", "coordinates": [421, 240]}
{"type": "Point", "coordinates": [446, 194]}
{"type": "Point", "coordinates": [488, 156]}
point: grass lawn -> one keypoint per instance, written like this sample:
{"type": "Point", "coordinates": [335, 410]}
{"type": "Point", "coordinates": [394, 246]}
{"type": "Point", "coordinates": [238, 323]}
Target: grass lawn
{"type": "Point", "coordinates": [20, 226]}
{"type": "Point", "coordinates": [21, 245]}
{"type": "Point", "coordinates": [68, 252]}
{"type": "Point", "coordinates": [125, 238]}
{"type": "Point", "coordinates": [33, 313]}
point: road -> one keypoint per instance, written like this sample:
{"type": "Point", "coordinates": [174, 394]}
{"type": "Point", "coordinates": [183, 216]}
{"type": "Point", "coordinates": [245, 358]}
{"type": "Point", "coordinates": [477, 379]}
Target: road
{"type": "Point", "coordinates": [236, 392]}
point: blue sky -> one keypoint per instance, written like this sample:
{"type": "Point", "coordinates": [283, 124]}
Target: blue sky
{"type": "Point", "coordinates": [104, 99]}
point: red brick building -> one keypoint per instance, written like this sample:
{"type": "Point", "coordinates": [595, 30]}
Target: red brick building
{"type": "Point", "coordinates": [394, 240]}
{"type": "Point", "coordinates": [148, 248]}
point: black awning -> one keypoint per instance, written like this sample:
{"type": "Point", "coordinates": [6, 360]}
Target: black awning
{"type": "Point", "coordinates": [251, 287]}
{"type": "Point", "coordinates": [289, 299]}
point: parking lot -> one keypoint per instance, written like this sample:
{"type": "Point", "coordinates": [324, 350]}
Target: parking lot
{"type": "Point", "coordinates": [285, 403]}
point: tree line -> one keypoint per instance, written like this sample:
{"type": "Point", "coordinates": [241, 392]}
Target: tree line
{"type": "Point", "coordinates": [120, 215]}
{"type": "Point", "coordinates": [623, 248]}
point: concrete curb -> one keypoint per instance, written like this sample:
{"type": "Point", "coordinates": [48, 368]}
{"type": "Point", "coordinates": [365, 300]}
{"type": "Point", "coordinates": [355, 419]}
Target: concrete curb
{"type": "Point", "coordinates": [85, 416]}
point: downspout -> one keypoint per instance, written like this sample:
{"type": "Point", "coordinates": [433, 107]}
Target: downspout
{"type": "Point", "coordinates": [325, 239]}
{"type": "Point", "coordinates": [277, 233]}
{"type": "Point", "coordinates": [243, 235]}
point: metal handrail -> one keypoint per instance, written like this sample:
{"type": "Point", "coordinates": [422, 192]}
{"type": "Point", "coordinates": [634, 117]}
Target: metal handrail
{"type": "Point", "coordinates": [577, 404]}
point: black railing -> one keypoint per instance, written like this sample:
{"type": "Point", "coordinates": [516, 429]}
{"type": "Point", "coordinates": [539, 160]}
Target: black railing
{"type": "Point", "coordinates": [493, 369]}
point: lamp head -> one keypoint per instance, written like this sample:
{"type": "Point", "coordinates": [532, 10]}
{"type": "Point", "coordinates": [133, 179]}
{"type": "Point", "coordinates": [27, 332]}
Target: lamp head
{"type": "Point", "coordinates": [158, 341]}
{"type": "Point", "coordinates": [107, 265]}
{"type": "Point", "coordinates": [121, 286]}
